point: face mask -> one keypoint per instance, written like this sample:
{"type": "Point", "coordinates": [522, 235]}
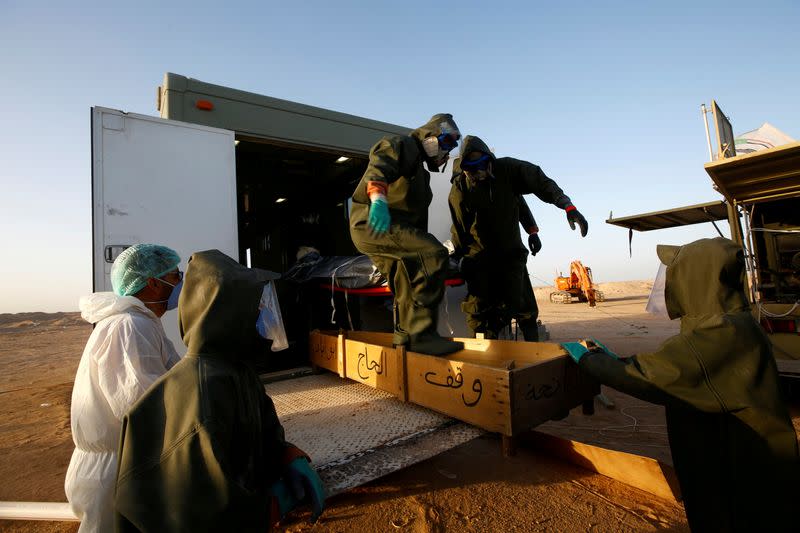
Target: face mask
{"type": "Point", "coordinates": [657, 303]}
{"type": "Point", "coordinates": [433, 150]}
{"type": "Point", "coordinates": [437, 148]}
{"type": "Point", "coordinates": [476, 176]}
{"type": "Point", "coordinates": [477, 169]}
{"type": "Point", "coordinates": [172, 301]}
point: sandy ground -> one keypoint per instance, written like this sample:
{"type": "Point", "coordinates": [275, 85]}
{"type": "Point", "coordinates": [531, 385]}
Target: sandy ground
{"type": "Point", "coordinates": [470, 488]}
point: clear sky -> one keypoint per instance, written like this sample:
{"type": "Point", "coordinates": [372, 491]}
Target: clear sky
{"type": "Point", "coordinates": [604, 96]}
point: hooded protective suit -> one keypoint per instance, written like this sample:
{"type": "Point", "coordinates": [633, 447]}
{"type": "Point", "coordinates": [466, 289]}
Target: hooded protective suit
{"type": "Point", "coordinates": [126, 353]}
{"type": "Point", "coordinates": [201, 448]}
{"type": "Point", "coordinates": [485, 231]}
{"type": "Point", "coordinates": [407, 255]}
{"type": "Point", "coordinates": [732, 441]}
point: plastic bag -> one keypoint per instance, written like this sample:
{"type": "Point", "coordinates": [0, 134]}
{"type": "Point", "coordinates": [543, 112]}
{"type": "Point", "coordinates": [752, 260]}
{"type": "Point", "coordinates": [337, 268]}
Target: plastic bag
{"type": "Point", "coordinates": [270, 322]}
{"type": "Point", "coordinates": [657, 304]}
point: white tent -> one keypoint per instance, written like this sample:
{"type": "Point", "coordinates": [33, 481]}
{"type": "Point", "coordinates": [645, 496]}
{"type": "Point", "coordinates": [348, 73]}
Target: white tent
{"type": "Point", "coordinates": [767, 136]}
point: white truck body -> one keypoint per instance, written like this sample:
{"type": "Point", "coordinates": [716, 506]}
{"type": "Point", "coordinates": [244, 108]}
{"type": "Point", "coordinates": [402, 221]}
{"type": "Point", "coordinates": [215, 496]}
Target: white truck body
{"type": "Point", "coordinates": [175, 183]}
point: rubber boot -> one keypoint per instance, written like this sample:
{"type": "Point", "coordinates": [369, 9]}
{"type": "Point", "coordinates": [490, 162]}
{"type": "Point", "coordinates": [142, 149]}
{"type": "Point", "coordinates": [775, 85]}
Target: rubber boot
{"type": "Point", "coordinates": [529, 329]}
{"type": "Point", "coordinates": [431, 343]}
{"type": "Point", "coordinates": [399, 338]}
{"type": "Point", "coordinates": [486, 334]}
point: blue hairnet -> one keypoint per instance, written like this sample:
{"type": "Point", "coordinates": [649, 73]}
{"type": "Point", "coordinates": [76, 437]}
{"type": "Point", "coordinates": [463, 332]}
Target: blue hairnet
{"type": "Point", "coordinates": [135, 265]}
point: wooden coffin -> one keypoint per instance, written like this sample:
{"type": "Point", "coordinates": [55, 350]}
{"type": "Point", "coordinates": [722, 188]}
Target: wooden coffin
{"type": "Point", "coordinates": [502, 386]}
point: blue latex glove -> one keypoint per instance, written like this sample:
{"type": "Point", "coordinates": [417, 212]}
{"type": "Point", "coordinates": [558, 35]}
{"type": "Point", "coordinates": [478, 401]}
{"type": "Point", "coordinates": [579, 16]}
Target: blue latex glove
{"type": "Point", "coordinates": [306, 486]}
{"type": "Point", "coordinates": [379, 217]}
{"type": "Point", "coordinates": [603, 347]}
{"type": "Point", "coordinates": [576, 350]}
{"type": "Point", "coordinates": [284, 498]}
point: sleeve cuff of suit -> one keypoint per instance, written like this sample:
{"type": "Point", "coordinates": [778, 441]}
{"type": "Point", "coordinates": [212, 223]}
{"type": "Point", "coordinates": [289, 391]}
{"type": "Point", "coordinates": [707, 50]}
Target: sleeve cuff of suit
{"type": "Point", "coordinates": [379, 188]}
{"type": "Point", "coordinates": [293, 452]}
{"type": "Point", "coordinates": [563, 202]}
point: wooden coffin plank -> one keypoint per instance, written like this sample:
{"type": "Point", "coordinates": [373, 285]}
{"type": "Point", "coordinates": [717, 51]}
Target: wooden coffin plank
{"type": "Point", "coordinates": [375, 365]}
{"type": "Point", "coordinates": [547, 391]}
{"type": "Point", "coordinates": [644, 473]}
{"type": "Point", "coordinates": [325, 350]}
{"type": "Point", "coordinates": [472, 393]}
{"type": "Point", "coordinates": [494, 352]}
{"type": "Point", "coordinates": [371, 337]}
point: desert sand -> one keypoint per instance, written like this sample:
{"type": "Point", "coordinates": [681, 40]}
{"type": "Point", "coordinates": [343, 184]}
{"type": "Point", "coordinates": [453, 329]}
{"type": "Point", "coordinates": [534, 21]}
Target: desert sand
{"type": "Point", "coordinates": [470, 488]}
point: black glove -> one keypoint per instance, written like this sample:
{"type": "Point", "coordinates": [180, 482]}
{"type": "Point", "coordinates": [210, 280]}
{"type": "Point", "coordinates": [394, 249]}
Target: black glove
{"type": "Point", "coordinates": [573, 216]}
{"type": "Point", "coordinates": [534, 243]}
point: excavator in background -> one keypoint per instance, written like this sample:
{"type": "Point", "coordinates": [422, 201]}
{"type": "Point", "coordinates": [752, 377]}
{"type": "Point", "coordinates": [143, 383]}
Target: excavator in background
{"type": "Point", "coordinates": [578, 284]}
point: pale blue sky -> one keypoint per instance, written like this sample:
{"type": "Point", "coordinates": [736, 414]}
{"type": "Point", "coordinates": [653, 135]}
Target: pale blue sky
{"type": "Point", "coordinates": [604, 96]}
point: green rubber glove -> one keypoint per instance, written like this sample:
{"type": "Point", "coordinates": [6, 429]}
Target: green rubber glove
{"type": "Point", "coordinates": [576, 350]}
{"type": "Point", "coordinates": [283, 499]}
{"type": "Point", "coordinates": [379, 217]}
{"type": "Point", "coordinates": [603, 347]}
{"type": "Point", "coordinates": [306, 485]}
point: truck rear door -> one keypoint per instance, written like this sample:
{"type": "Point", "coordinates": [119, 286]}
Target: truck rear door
{"type": "Point", "coordinates": [164, 182]}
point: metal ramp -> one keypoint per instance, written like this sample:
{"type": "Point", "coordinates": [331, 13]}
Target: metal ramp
{"type": "Point", "coordinates": [355, 434]}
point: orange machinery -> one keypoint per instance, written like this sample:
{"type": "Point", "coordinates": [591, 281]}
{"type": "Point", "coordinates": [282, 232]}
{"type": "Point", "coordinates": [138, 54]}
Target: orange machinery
{"type": "Point", "coordinates": [578, 284]}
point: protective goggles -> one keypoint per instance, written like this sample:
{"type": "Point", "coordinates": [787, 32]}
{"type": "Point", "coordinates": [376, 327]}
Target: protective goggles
{"type": "Point", "coordinates": [448, 141]}
{"type": "Point", "coordinates": [171, 273]}
{"type": "Point", "coordinates": [476, 165]}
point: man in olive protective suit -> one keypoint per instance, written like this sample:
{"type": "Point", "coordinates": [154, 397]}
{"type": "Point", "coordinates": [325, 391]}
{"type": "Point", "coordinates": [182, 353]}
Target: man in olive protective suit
{"type": "Point", "coordinates": [203, 449]}
{"type": "Point", "coordinates": [389, 223]}
{"type": "Point", "coordinates": [486, 206]}
{"type": "Point", "coordinates": [733, 444]}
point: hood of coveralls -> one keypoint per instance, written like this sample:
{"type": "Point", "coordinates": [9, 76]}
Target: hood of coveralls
{"type": "Point", "coordinates": [99, 305]}
{"type": "Point", "coordinates": [218, 306]}
{"type": "Point", "coordinates": [704, 278]}
{"type": "Point", "coordinates": [470, 143]}
{"type": "Point", "coordinates": [433, 127]}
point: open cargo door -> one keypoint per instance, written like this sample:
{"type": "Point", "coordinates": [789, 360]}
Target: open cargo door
{"type": "Point", "coordinates": [160, 181]}
{"type": "Point", "coordinates": [672, 218]}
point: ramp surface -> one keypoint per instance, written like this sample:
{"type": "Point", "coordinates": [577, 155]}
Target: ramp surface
{"type": "Point", "coordinates": [355, 433]}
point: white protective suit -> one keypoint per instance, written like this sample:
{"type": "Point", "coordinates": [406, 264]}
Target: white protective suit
{"type": "Point", "coordinates": [127, 351]}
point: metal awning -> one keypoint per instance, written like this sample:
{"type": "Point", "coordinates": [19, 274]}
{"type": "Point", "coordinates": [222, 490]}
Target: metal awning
{"type": "Point", "coordinates": [670, 218]}
{"type": "Point", "coordinates": [760, 176]}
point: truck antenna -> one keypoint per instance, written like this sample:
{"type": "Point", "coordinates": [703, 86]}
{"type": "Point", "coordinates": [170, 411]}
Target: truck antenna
{"type": "Point", "coordinates": [704, 111]}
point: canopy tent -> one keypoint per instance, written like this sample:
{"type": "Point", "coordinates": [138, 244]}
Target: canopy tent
{"type": "Point", "coordinates": [763, 138]}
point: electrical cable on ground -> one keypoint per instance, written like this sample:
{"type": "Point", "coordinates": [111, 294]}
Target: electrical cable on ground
{"type": "Point", "coordinates": [630, 429]}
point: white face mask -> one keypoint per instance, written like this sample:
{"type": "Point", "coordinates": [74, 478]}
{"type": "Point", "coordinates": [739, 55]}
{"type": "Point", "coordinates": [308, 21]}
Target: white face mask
{"type": "Point", "coordinates": [657, 303]}
{"type": "Point", "coordinates": [434, 151]}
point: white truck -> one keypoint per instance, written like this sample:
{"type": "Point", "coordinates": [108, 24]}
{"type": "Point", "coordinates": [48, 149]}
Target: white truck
{"type": "Point", "coordinates": [257, 178]}
{"type": "Point", "coordinates": [253, 176]}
